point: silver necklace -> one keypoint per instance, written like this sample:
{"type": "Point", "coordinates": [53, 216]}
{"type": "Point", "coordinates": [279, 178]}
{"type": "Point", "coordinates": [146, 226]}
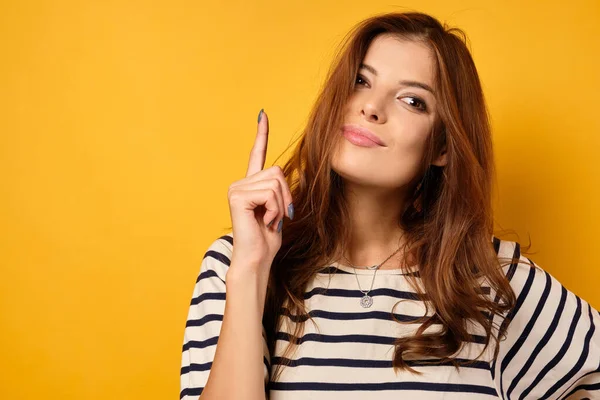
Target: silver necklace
{"type": "Point", "coordinates": [367, 301]}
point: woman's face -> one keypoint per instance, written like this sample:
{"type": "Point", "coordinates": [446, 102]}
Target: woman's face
{"type": "Point", "coordinates": [393, 99]}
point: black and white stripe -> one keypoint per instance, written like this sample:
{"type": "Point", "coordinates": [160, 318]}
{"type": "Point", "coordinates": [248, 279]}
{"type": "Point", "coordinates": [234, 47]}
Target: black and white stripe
{"type": "Point", "coordinates": [551, 350]}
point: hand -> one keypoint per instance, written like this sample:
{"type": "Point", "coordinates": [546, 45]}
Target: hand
{"type": "Point", "coordinates": [258, 204]}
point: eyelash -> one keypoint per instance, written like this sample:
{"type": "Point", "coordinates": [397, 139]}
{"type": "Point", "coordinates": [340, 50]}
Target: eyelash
{"type": "Point", "coordinates": [423, 108]}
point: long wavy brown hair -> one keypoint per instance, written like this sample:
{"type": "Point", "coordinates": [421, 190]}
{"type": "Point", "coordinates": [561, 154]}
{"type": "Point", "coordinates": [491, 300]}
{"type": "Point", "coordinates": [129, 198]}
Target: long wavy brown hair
{"type": "Point", "coordinates": [448, 221]}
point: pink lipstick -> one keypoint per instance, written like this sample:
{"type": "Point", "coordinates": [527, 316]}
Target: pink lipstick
{"type": "Point", "coordinates": [361, 136]}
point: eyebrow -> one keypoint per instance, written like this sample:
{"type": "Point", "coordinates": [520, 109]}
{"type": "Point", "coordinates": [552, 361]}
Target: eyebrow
{"type": "Point", "coordinates": [402, 82]}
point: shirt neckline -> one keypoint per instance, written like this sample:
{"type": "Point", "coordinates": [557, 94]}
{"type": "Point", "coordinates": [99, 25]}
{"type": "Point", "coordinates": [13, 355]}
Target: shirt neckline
{"type": "Point", "coordinates": [364, 271]}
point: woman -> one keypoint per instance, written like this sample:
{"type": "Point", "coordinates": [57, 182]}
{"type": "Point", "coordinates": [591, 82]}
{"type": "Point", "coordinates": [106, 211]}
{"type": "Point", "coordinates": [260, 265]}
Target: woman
{"type": "Point", "coordinates": [387, 249]}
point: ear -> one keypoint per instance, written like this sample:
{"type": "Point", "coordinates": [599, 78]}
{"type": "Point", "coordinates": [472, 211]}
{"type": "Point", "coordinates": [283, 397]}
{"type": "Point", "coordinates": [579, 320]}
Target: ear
{"type": "Point", "coordinates": [442, 160]}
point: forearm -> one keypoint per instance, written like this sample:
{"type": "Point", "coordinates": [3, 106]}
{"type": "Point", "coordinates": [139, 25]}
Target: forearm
{"type": "Point", "coordinates": [237, 369]}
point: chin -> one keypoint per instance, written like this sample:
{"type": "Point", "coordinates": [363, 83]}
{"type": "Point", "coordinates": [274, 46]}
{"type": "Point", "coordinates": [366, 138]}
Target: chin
{"type": "Point", "coordinates": [354, 173]}
{"type": "Point", "coordinates": [365, 178]}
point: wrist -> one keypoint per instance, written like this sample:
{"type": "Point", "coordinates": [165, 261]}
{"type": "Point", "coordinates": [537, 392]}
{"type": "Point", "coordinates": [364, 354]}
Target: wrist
{"type": "Point", "coordinates": [245, 289]}
{"type": "Point", "coordinates": [243, 269]}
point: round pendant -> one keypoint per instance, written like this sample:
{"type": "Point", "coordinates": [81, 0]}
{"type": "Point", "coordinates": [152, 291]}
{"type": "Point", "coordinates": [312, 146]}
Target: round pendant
{"type": "Point", "coordinates": [366, 301]}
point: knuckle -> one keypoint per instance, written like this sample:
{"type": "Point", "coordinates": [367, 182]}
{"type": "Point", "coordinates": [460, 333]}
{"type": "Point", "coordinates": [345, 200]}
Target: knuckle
{"type": "Point", "coordinates": [231, 189]}
{"type": "Point", "coordinates": [272, 195]}
{"type": "Point", "coordinates": [234, 195]}
{"type": "Point", "coordinates": [275, 185]}
{"type": "Point", "coordinates": [276, 170]}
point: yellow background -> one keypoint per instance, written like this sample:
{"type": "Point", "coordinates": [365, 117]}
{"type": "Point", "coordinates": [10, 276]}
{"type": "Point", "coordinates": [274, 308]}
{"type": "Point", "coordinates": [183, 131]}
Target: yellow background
{"type": "Point", "coordinates": [124, 122]}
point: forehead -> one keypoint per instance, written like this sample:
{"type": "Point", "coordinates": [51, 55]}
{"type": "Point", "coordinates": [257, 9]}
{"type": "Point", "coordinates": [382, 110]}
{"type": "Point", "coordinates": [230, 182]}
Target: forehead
{"type": "Point", "coordinates": [396, 58]}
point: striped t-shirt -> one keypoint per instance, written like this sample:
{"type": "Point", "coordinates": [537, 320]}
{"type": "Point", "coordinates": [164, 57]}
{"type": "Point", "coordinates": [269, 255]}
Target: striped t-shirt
{"type": "Point", "coordinates": [551, 351]}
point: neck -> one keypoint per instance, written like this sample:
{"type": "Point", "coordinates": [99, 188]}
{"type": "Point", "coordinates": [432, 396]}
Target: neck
{"type": "Point", "coordinates": [375, 231]}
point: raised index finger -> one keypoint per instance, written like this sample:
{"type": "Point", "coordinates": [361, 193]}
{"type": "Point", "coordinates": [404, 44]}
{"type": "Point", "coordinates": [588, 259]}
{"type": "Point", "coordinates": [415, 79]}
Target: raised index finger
{"type": "Point", "coordinates": [258, 153]}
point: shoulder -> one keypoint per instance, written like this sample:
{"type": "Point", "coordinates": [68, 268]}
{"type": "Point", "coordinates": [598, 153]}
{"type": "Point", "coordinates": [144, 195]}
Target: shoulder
{"type": "Point", "coordinates": [221, 246]}
{"type": "Point", "coordinates": [539, 295]}
{"type": "Point", "coordinates": [536, 290]}
{"type": "Point", "coordinates": [217, 258]}
{"type": "Point", "coordinates": [521, 271]}
{"type": "Point", "coordinates": [550, 338]}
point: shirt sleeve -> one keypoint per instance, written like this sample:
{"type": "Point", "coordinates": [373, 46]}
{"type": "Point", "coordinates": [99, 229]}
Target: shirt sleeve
{"type": "Point", "coordinates": [552, 346]}
{"type": "Point", "coordinates": [204, 320]}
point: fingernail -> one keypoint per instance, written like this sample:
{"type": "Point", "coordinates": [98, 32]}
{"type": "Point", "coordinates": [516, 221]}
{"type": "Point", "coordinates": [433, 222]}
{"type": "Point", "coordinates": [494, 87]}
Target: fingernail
{"type": "Point", "coordinates": [291, 210]}
{"type": "Point", "coordinates": [270, 223]}
{"type": "Point", "coordinates": [260, 113]}
{"type": "Point", "coordinates": [279, 226]}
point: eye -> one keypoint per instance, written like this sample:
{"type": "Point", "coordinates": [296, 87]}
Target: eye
{"type": "Point", "coordinates": [358, 80]}
{"type": "Point", "coordinates": [417, 103]}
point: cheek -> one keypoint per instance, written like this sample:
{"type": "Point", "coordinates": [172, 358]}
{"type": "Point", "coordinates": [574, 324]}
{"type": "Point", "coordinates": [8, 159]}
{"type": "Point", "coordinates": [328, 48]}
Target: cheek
{"type": "Point", "coordinates": [402, 161]}
{"type": "Point", "coordinates": [409, 137]}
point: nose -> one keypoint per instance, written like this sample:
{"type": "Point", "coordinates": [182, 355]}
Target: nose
{"type": "Point", "coordinates": [372, 110]}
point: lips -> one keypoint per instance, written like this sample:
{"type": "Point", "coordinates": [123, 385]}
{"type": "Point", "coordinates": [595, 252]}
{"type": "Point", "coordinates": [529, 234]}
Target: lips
{"type": "Point", "coordinates": [361, 136]}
